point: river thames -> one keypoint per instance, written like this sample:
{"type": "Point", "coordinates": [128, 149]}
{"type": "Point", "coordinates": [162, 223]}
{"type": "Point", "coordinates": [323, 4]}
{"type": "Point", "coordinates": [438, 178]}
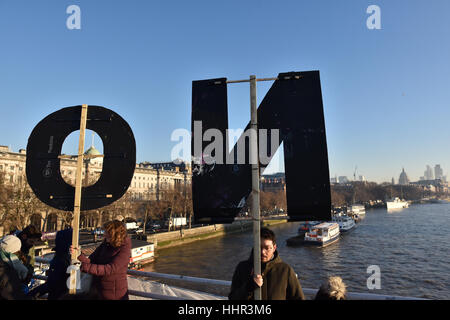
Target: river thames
{"type": "Point", "coordinates": [410, 246]}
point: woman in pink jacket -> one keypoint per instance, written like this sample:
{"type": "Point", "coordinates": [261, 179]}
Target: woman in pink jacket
{"type": "Point", "coordinates": [109, 262]}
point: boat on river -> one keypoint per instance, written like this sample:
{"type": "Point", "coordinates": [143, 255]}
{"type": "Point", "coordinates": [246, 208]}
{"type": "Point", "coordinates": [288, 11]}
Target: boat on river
{"type": "Point", "coordinates": [345, 222]}
{"type": "Point", "coordinates": [357, 209]}
{"type": "Point", "coordinates": [305, 226]}
{"type": "Point", "coordinates": [323, 234]}
{"type": "Point", "coordinates": [142, 253]}
{"type": "Point", "coordinates": [396, 203]}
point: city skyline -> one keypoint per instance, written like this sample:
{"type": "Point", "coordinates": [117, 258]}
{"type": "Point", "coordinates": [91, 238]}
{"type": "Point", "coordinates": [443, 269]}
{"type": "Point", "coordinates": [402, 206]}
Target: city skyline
{"type": "Point", "coordinates": [333, 178]}
{"type": "Point", "coordinates": [384, 90]}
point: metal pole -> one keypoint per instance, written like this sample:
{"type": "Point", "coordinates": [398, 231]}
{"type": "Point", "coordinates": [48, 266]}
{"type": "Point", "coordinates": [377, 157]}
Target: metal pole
{"type": "Point", "coordinates": [77, 201]}
{"type": "Point", "coordinates": [254, 160]}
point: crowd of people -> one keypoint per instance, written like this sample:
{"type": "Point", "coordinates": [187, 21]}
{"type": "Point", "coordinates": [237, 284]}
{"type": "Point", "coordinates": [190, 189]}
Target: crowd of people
{"type": "Point", "coordinates": [105, 270]}
{"type": "Point", "coordinates": [106, 267]}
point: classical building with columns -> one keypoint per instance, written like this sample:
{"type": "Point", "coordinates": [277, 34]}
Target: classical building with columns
{"type": "Point", "coordinates": [149, 180]}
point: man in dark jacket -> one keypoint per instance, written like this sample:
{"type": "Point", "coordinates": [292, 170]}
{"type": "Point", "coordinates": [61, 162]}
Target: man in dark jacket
{"type": "Point", "coordinates": [277, 281]}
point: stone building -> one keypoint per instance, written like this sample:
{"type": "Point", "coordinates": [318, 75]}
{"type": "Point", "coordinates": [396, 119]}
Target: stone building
{"type": "Point", "coordinates": [403, 179]}
{"type": "Point", "coordinates": [149, 180]}
{"type": "Point", "coordinates": [273, 183]}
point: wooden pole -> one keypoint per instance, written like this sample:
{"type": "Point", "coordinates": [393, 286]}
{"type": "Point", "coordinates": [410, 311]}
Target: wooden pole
{"type": "Point", "coordinates": [77, 201]}
{"type": "Point", "coordinates": [254, 159]}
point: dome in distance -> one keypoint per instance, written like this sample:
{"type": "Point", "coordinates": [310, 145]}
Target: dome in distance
{"type": "Point", "coordinates": [92, 151]}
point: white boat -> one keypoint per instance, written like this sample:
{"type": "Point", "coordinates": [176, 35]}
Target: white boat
{"type": "Point", "coordinates": [345, 222]}
{"type": "Point", "coordinates": [305, 226]}
{"type": "Point", "coordinates": [323, 234]}
{"type": "Point", "coordinates": [396, 203]}
{"type": "Point", "coordinates": [142, 252]}
{"type": "Point", "coordinates": [358, 209]}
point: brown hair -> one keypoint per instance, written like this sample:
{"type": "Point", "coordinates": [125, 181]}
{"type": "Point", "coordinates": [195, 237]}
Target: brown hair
{"type": "Point", "coordinates": [117, 231]}
{"type": "Point", "coordinates": [32, 232]}
{"type": "Point", "coordinates": [267, 234]}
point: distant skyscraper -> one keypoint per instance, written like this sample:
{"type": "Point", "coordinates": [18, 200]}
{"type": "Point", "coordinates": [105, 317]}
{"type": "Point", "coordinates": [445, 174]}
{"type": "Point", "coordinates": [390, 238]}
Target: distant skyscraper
{"type": "Point", "coordinates": [403, 179]}
{"type": "Point", "coordinates": [438, 172]}
{"type": "Point", "coordinates": [428, 174]}
{"type": "Point", "coordinates": [393, 181]}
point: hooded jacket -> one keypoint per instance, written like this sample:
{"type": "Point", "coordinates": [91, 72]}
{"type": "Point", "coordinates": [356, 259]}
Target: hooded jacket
{"type": "Point", "coordinates": [279, 281]}
{"type": "Point", "coordinates": [109, 265]}
{"type": "Point", "coordinates": [57, 274]}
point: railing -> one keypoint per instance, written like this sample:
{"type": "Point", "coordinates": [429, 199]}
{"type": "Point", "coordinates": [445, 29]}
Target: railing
{"type": "Point", "coordinates": [306, 291]}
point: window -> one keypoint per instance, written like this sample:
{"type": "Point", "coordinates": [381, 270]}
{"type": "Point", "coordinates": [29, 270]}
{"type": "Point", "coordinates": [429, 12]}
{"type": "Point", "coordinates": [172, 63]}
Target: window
{"type": "Point", "coordinates": [12, 168]}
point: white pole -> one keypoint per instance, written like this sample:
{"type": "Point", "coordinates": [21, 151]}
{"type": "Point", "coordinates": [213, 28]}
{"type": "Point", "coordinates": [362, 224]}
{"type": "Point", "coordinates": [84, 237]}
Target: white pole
{"type": "Point", "coordinates": [254, 160]}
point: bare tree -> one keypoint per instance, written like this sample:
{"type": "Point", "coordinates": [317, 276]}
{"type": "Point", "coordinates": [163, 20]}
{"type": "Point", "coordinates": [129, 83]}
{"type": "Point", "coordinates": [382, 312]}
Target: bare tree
{"type": "Point", "coordinates": [19, 203]}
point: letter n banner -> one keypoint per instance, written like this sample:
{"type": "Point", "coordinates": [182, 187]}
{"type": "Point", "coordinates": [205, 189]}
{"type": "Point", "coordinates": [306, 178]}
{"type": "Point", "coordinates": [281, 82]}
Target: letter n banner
{"type": "Point", "coordinates": [293, 105]}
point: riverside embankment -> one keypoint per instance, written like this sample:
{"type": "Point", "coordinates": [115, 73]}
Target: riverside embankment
{"type": "Point", "coordinates": [183, 236]}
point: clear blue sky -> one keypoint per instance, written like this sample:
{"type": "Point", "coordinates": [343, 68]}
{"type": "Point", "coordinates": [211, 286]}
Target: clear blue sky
{"type": "Point", "coordinates": [386, 92]}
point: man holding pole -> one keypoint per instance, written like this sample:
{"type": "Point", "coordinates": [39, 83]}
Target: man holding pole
{"type": "Point", "coordinates": [277, 280]}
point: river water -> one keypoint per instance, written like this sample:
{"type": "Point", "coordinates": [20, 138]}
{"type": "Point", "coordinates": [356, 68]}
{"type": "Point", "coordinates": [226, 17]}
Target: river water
{"type": "Point", "coordinates": [410, 246]}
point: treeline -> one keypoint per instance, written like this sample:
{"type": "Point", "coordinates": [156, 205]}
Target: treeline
{"type": "Point", "coordinates": [363, 192]}
{"type": "Point", "coordinates": [20, 207]}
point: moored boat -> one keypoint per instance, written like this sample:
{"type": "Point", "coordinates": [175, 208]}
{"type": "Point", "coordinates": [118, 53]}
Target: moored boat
{"type": "Point", "coordinates": [345, 222]}
{"type": "Point", "coordinates": [396, 203]}
{"type": "Point", "coordinates": [142, 252]}
{"type": "Point", "coordinates": [305, 226]}
{"type": "Point", "coordinates": [323, 234]}
{"type": "Point", "coordinates": [358, 209]}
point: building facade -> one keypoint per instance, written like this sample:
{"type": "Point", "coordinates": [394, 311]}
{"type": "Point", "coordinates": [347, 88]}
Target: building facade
{"type": "Point", "coordinates": [149, 181]}
{"type": "Point", "coordinates": [273, 183]}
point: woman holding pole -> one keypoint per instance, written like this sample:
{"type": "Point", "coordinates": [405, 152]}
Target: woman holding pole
{"type": "Point", "coordinates": [109, 262]}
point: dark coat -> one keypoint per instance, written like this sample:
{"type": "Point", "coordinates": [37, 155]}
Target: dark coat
{"type": "Point", "coordinates": [11, 288]}
{"type": "Point", "coordinates": [109, 265]}
{"type": "Point", "coordinates": [279, 281]}
{"type": "Point", "coordinates": [56, 284]}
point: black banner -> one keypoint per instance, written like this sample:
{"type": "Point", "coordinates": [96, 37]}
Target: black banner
{"type": "Point", "coordinates": [293, 105]}
{"type": "Point", "coordinates": [45, 144]}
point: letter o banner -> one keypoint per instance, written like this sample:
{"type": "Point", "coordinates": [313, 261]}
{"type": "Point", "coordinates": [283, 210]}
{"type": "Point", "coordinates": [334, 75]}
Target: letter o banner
{"type": "Point", "coordinates": [45, 144]}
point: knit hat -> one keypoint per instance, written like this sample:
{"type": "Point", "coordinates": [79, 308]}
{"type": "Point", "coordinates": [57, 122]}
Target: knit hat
{"type": "Point", "coordinates": [10, 244]}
